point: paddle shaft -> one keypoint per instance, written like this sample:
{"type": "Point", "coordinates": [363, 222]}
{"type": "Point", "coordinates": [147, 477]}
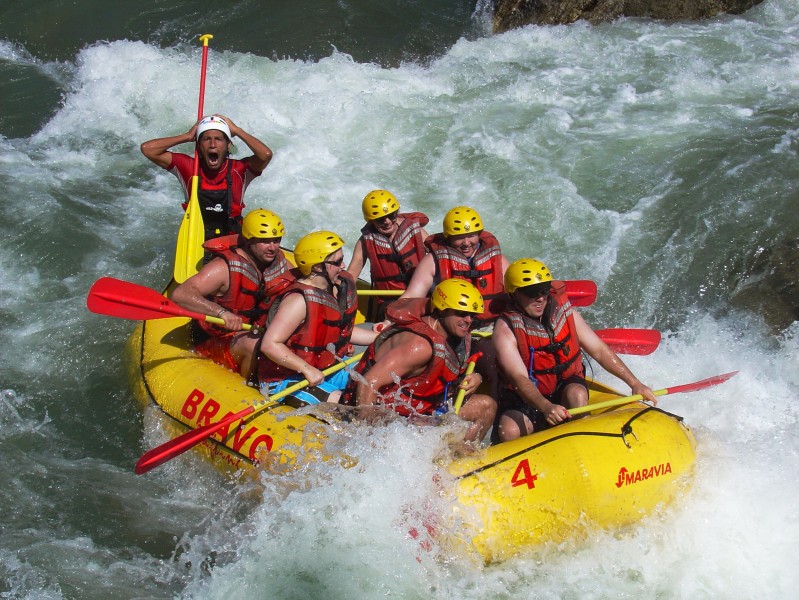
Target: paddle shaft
{"type": "Point", "coordinates": [624, 341]}
{"type": "Point", "coordinates": [177, 446]}
{"type": "Point", "coordinates": [469, 370]}
{"type": "Point", "coordinates": [581, 292]}
{"type": "Point", "coordinates": [200, 107]}
{"type": "Point", "coordinates": [688, 387]}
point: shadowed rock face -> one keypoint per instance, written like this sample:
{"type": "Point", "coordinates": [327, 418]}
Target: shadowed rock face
{"type": "Point", "coordinates": [770, 285]}
{"type": "Point", "coordinates": [509, 14]}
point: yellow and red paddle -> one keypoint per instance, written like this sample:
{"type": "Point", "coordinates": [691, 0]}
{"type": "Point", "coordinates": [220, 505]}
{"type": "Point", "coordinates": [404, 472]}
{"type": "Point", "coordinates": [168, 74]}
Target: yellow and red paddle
{"type": "Point", "coordinates": [117, 298]}
{"type": "Point", "coordinates": [677, 389]}
{"type": "Point", "coordinates": [622, 341]}
{"type": "Point", "coordinates": [177, 446]}
{"type": "Point", "coordinates": [581, 292]}
{"type": "Point", "coordinates": [191, 235]}
{"type": "Point", "coordinates": [469, 370]}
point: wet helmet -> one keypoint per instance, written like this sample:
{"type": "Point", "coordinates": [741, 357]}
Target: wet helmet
{"type": "Point", "coordinates": [457, 294]}
{"type": "Point", "coordinates": [213, 122]}
{"type": "Point", "coordinates": [314, 248]}
{"type": "Point", "coordinates": [526, 272]}
{"type": "Point", "coordinates": [262, 223]}
{"type": "Point", "coordinates": [460, 220]}
{"type": "Point", "coordinates": [378, 204]}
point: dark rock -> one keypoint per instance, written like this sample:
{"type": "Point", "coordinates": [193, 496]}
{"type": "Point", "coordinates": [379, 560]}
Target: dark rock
{"type": "Point", "coordinates": [769, 285]}
{"type": "Point", "coordinates": [509, 14]}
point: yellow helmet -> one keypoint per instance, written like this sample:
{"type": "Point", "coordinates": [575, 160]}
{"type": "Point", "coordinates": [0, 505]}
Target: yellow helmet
{"type": "Point", "coordinates": [378, 204]}
{"type": "Point", "coordinates": [262, 223]}
{"type": "Point", "coordinates": [460, 220]}
{"type": "Point", "coordinates": [314, 248]}
{"type": "Point", "coordinates": [525, 272]}
{"type": "Point", "coordinates": [457, 294]}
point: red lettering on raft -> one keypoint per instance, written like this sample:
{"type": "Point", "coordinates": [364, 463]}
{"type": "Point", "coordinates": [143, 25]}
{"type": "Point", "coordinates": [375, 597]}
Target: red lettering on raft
{"type": "Point", "coordinates": [630, 477]}
{"type": "Point", "coordinates": [192, 405]}
{"type": "Point", "coordinates": [195, 408]}
{"type": "Point", "coordinates": [523, 475]}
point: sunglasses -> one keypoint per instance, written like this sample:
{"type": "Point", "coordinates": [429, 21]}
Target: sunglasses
{"type": "Point", "coordinates": [335, 263]}
{"type": "Point", "coordinates": [462, 314]}
{"type": "Point", "coordinates": [538, 290]}
{"type": "Point", "coordinates": [388, 218]}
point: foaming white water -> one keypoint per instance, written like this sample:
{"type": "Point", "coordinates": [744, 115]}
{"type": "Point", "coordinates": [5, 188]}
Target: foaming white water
{"type": "Point", "coordinates": [333, 532]}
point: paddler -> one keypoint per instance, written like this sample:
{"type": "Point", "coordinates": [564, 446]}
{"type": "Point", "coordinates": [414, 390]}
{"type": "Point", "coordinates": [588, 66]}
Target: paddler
{"type": "Point", "coordinates": [465, 250]}
{"type": "Point", "coordinates": [392, 242]}
{"type": "Point", "coordinates": [539, 340]}
{"type": "Point", "coordinates": [223, 180]}
{"type": "Point", "coordinates": [232, 286]}
{"type": "Point", "coordinates": [417, 365]}
{"type": "Point", "coordinates": [312, 323]}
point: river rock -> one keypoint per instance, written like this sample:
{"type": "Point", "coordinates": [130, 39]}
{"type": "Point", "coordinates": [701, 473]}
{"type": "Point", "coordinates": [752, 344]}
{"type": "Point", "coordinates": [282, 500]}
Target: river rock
{"type": "Point", "coordinates": [509, 14]}
{"type": "Point", "coordinates": [770, 285]}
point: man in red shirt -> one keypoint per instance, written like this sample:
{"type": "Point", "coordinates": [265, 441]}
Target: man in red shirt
{"type": "Point", "coordinates": [222, 180]}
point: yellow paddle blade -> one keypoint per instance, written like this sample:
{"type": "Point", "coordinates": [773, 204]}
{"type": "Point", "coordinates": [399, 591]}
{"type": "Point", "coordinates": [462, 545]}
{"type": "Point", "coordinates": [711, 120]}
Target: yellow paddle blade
{"type": "Point", "coordinates": [191, 235]}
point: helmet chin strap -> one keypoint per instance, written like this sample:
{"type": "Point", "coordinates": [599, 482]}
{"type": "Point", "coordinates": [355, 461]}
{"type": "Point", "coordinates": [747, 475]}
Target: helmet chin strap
{"type": "Point", "coordinates": [324, 275]}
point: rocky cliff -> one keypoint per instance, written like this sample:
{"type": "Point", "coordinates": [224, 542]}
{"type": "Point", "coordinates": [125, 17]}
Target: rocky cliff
{"type": "Point", "coordinates": [509, 14]}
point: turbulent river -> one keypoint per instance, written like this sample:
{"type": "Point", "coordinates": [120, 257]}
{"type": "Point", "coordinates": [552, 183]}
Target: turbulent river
{"type": "Point", "coordinates": [659, 160]}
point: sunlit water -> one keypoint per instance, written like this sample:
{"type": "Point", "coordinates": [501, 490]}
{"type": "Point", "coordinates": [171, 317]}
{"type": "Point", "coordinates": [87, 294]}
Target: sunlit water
{"type": "Point", "coordinates": [657, 160]}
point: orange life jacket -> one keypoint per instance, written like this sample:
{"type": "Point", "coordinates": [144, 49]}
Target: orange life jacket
{"type": "Point", "coordinates": [245, 294]}
{"type": "Point", "coordinates": [392, 262]}
{"type": "Point", "coordinates": [483, 270]}
{"type": "Point", "coordinates": [422, 393]}
{"type": "Point", "coordinates": [550, 350]}
{"type": "Point", "coordinates": [328, 320]}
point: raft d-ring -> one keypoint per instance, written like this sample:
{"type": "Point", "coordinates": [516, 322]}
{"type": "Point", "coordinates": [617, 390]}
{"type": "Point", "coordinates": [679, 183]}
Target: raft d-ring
{"type": "Point", "coordinates": [626, 430]}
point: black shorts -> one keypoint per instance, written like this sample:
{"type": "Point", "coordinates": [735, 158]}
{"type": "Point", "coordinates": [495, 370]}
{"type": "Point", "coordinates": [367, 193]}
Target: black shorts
{"type": "Point", "coordinates": [510, 400]}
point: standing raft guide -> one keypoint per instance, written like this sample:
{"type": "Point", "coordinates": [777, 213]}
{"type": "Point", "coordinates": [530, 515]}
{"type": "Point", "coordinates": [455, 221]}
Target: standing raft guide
{"type": "Point", "coordinates": [607, 469]}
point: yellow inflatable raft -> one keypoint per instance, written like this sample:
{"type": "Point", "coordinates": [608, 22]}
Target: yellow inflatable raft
{"type": "Point", "coordinates": [605, 470]}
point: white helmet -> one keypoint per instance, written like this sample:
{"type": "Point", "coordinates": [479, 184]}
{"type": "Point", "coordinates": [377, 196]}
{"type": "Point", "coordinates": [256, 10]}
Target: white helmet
{"type": "Point", "coordinates": [213, 122]}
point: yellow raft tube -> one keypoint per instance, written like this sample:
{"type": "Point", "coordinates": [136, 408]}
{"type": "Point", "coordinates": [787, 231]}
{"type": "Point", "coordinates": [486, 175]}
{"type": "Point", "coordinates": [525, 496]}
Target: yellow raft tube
{"type": "Point", "coordinates": [606, 470]}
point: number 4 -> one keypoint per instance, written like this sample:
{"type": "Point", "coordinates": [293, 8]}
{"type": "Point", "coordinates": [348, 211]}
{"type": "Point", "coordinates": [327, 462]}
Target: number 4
{"type": "Point", "coordinates": [523, 474]}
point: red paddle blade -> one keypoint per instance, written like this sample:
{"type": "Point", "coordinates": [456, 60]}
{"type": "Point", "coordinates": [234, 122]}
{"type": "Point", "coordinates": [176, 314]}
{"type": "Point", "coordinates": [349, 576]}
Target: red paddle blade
{"type": "Point", "coordinates": [581, 292]}
{"type": "Point", "coordinates": [631, 341]}
{"type": "Point", "coordinates": [117, 298]}
{"type": "Point", "coordinates": [698, 385]}
{"type": "Point", "coordinates": [161, 454]}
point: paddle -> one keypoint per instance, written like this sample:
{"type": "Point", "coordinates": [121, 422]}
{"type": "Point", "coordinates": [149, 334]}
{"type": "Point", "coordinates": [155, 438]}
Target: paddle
{"type": "Point", "coordinates": [117, 298]}
{"type": "Point", "coordinates": [623, 341]}
{"type": "Point", "coordinates": [581, 292]}
{"type": "Point", "coordinates": [177, 446]}
{"type": "Point", "coordinates": [679, 389]}
{"type": "Point", "coordinates": [639, 342]}
{"type": "Point", "coordinates": [469, 370]}
{"type": "Point", "coordinates": [191, 235]}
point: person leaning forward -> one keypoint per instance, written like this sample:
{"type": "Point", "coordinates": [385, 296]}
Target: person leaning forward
{"type": "Point", "coordinates": [538, 340]}
{"type": "Point", "coordinates": [413, 365]}
{"type": "Point", "coordinates": [222, 180]}
{"type": "Point", "coordinates": [311, 323]}
{"type": "Point", "coordinates": [232, 286]}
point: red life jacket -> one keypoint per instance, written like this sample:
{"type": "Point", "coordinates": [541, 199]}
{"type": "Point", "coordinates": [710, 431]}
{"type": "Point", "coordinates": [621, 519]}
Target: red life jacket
{"type": "Point", "coordinates": [551, 352]}
{"type": "Point", "coordinates": [483, 270]}
{"type": "Point", "coordinates": [328, 320]}
{"type": "Point", "coordinates": [245, 294]}
{"type": "Point", "coordinates": [392, 262]}
{"type": "Point", "coordinates": [422, 393]}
